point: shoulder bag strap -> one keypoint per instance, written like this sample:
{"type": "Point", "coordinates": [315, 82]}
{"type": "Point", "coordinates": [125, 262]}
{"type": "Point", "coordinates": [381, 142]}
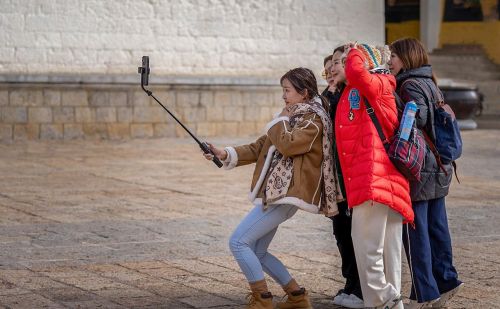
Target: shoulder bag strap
{"type": "Point", "coordinates": [373, 117]}
{"type": "Point", "coordinates": [432, 147]}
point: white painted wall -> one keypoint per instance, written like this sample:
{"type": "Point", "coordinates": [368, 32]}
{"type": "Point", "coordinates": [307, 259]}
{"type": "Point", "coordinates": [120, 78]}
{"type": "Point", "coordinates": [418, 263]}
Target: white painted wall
{"type": "Point", "coordinates": [261, 38]}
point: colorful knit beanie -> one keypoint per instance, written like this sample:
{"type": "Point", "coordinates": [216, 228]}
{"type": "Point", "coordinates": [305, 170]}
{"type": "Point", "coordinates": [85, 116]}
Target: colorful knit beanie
{"type": "Point", "coordinates": [373, 55]}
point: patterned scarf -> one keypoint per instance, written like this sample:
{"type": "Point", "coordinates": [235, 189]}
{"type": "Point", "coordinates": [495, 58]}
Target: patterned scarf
{"type": "Point", "coordinates": [281, 169]}
{"type": "Point", "coordinates": [380, 70]}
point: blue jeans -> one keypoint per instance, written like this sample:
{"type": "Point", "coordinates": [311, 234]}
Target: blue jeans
{"type": "Point", "coordinates": [428, 250]}
{"type": "Point", "coordinates": [250, 240]}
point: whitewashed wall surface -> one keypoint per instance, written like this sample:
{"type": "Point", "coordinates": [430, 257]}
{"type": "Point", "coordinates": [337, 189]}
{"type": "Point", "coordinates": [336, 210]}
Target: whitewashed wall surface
{"type": "Point", "coordinates": [258, 38]}
{"type": "Point", "coordinates": [68, 68]}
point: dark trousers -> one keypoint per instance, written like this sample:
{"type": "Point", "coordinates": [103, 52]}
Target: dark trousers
{"type": "Point", "coordinates": [342, 231]}
{"type": "Point", "coordinates": [428, 250]}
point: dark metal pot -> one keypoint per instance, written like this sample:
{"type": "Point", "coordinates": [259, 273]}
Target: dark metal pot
{"type": "Point", "coordinates": [464, 99]}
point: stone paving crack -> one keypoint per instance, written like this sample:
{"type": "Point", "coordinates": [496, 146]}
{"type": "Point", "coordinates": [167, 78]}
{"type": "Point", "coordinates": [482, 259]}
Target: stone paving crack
{"type": "Point", "coordinates": [24, 211]}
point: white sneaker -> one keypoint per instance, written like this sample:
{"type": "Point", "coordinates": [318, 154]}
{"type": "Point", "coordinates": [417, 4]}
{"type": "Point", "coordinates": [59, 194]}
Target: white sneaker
{"type": "Point", "coordinates": [352, 301]}
{"type": "Point", "coordinates": [445, 297]}
{"type": "Point", "coordinates": [394, 303]}
{"type": "Point", "coordinates": [415, 305]}
{"type": "Point", "coordinates": [337, 300]}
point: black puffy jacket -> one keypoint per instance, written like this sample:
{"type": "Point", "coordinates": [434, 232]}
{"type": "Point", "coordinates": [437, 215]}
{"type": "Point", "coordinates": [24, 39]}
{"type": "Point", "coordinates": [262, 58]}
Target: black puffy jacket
{"type": "Point", "coordinates": [435, 183]}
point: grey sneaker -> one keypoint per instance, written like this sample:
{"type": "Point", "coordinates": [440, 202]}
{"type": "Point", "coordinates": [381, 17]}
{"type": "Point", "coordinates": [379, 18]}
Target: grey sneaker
{"type": "Point", "coordinates": [445, 297]}
{"type": "Point", "coordinates": [337, 300]}
{"type": "Point", "coordinates": [352, 301]}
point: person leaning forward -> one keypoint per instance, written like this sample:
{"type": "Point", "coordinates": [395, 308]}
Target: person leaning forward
{"type": "Point", "coordinates": [293, 171]}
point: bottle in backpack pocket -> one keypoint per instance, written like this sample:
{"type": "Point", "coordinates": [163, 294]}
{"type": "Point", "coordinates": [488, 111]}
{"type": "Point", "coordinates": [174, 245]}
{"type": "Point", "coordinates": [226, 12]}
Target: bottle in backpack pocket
{"type": "Point", "coordinates": [407, 120]}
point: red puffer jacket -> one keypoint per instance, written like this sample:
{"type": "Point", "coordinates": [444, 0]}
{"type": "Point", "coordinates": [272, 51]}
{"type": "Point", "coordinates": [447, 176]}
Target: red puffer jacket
{"type": "Point", "coordinates": [368, 172]}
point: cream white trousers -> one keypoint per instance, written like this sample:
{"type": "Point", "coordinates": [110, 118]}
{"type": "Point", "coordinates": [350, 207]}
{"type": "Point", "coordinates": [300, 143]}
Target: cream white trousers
{"type": "Point", "coordinates": [377, 239]}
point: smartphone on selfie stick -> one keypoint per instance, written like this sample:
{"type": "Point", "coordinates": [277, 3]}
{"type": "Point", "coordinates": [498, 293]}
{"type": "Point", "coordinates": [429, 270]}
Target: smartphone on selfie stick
{"type": "Point", "coordinates": [144, 71]}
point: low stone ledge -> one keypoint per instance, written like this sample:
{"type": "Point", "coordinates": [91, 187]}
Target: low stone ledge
{"type": "Point", "coordinates": [115, 107]}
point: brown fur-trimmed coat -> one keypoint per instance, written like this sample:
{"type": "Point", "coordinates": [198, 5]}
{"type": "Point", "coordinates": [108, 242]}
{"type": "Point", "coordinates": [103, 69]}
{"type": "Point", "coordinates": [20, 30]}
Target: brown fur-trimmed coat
{"type": "Point", "coordinates": [303, 143]}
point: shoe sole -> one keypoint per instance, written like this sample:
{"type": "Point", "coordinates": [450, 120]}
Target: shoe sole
{"type": "Point", "coordinates": [398, 300]}
{"type": "Point", "coordinates": [353, 307]}
{"type": "Point", "coordinates": [452, 294]}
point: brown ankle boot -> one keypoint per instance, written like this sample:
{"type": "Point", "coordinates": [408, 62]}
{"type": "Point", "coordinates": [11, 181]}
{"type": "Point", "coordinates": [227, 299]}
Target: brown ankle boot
{"type": "Point", "coordinates": [296, 300]}
{"type": "Point", "coordinates": [257, 300]}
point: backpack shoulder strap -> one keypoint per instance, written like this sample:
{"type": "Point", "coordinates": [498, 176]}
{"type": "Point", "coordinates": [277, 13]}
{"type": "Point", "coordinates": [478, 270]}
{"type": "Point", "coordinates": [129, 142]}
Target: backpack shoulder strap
{"type": "Point", "coordinates": [406, 81]}
{"type": "Point", "coordinates": [420, 85]}
{"type": "Point", "coordinates": [433, 149]}
{"type": "Point", "coordinates": [435, 96]}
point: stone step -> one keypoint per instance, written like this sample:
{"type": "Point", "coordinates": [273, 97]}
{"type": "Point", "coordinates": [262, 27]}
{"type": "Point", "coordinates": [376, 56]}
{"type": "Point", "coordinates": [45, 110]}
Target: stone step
{"type": "Point", "coordinates": [470, 63]}
{"type": "Point", "coordinates": [460, 56]}
{"type": "Point", "coordinates": [488, 122]}
{"type": "Point", "coordinates": [476, 62]}
{"type": "Point", "coordinates": [459, 49]}
{"type": "Point", "coordinates": [463, 73]}
{"type": "Point", "coordinates": [467, 70]}
{"type": "Point", "coordinates": [489, 86]}
{"type": "Point", "coordinates": [465, 62]}
{"type": "Point", "coordinates": [491, 92]}
{"type": "Point", "coordinates": [463, 68]}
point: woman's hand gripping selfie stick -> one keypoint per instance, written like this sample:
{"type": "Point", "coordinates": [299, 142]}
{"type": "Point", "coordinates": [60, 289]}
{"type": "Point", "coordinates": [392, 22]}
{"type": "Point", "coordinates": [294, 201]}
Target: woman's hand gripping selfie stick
{"type": "Point", "coordinates": [144, 71]}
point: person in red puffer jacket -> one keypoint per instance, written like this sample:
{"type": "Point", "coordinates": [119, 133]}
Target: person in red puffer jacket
{"type": "Point", "coordinates": [377, 193]}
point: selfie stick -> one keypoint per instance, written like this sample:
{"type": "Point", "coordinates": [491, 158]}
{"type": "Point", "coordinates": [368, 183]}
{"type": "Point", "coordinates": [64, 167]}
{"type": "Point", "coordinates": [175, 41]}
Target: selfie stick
{"type": "Point", "coordinates": [144, 71]}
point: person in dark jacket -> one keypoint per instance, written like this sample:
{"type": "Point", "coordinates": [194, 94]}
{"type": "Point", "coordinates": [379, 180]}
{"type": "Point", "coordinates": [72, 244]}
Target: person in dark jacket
{"type": "Point", "coordinates": [428, 245]}
{"type": "Point", "coordinates": [350, 296]}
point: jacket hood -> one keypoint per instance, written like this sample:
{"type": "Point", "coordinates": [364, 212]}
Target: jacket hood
{"type": "Point", "coordinates": [424, 71]}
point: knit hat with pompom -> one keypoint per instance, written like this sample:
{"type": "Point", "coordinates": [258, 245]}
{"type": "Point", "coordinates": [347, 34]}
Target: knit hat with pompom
{"type": "Point", "coordinates": [376, 56]}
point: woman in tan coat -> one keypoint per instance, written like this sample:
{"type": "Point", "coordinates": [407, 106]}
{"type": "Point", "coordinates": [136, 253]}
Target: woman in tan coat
{"type": "Point", "coordinates": [293, 171]}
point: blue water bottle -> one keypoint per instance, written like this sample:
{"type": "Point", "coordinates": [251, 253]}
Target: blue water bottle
{"type": "Point", "coordinates": [407, 120]}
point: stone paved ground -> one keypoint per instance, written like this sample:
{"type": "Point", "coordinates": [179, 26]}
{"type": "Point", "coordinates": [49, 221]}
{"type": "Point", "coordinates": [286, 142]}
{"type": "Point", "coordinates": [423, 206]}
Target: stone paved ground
{"type": "Point", "coordinates": [144, 224]}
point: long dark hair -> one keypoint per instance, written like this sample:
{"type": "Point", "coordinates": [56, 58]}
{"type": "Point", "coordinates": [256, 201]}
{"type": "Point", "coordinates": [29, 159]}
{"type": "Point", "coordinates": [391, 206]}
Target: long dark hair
{"type": "Point", "coordinates": [412, 53]}
{"type": "Point", "coordinates": [304, 82]}
{"type": "Point", "coordinates": [339, 49]}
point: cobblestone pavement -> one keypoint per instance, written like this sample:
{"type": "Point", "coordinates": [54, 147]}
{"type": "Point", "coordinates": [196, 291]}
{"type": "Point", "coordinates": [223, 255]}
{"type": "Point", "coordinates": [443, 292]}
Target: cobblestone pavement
{"type": "Point", "coordinates": [145, 224]}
